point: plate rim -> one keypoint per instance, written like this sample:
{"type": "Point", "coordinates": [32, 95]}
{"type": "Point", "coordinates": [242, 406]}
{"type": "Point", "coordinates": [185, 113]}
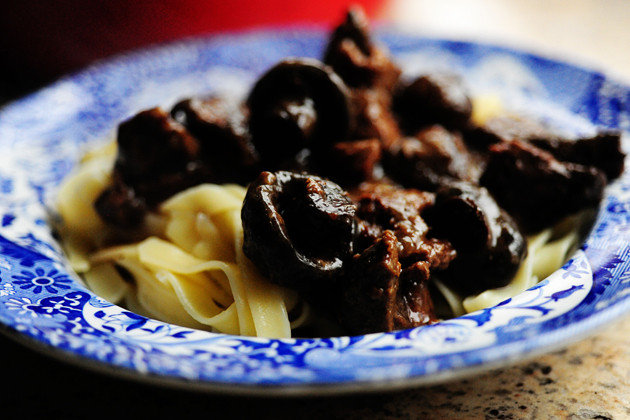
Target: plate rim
{"type": "Point", "coordinates": [620, 306]}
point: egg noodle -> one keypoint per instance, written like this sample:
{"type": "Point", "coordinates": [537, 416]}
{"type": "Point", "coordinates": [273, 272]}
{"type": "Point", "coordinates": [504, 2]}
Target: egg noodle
{"type": "Point", "coordinates": [189, 269]}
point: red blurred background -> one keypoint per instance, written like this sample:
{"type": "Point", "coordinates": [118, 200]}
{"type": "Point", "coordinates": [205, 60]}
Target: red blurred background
{"type": "Point", "coordinates": [42, 40]}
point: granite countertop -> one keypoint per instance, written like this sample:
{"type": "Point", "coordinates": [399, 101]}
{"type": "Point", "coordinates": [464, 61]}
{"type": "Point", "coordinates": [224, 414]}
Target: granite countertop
{"type": "Point", "coordinates": [589, 379]}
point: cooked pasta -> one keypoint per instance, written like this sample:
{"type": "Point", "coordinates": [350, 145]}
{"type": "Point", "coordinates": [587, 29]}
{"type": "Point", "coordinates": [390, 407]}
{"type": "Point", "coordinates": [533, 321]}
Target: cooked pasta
{"type": "Point", "coordinates": [190, 270]}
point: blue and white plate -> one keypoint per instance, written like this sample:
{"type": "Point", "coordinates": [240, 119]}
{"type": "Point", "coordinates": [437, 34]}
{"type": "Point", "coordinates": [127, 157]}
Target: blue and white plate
{"type": "Point", "coordinates": [43, 302]}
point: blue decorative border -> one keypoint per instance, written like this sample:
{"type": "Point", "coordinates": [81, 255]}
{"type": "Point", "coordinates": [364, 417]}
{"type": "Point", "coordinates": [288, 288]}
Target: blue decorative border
{"type": "Point", "coordinates": [43, 135]}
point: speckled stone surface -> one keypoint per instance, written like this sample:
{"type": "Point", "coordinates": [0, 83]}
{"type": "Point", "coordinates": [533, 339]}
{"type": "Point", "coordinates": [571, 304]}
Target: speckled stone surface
{"type": "Point", "coordinates": [586, 380]}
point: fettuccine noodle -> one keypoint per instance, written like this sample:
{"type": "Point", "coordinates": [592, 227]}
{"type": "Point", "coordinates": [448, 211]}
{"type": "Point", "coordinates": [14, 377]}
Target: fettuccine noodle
{"type": "Point", "coordinates": [190, 270]}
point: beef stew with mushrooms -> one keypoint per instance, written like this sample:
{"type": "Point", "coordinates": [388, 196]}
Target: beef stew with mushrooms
{"type": "Point", "coordinates": [364, 186]}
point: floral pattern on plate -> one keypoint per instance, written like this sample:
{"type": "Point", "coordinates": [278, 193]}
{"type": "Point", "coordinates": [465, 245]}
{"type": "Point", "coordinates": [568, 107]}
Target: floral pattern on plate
{"type": "Point", "coordinates": [43, 136]}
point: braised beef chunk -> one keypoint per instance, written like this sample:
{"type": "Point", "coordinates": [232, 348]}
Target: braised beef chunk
{"type": "Point", "coordinates": [392, 283]}
{"type": "Point", "coordinates": [414, 303]}
{"type": "Point", "coordinates": [157, 157]}
{"type": "Point", "coordinates": [537, 189]}
{"type": "Point", "coordinates": [220, 126]}
{"type": "Point", "coordinates": [490, 247]}
{"type": "Point", "coordinates": [374, 118]}
{"type": "Point", "coordinates": [371, 76]}
{"type": "Point", "coordinates": [369, 298]}
{"type": "Point", "coordinates": [440, 98]}
{"type": "Point", "coordinates": [503, 128]}
{"type": "Point", "coordinates": [298, 229]}
{"type": "Point", "coordinates": [119, 206]}
{"type": "Point", "coordinates": [366, 68]}
{"type": "Point", "coordinates": [359, 61]}
{"type": "Point", "coordinates": [602, 151]}
{"type": "Point", "coordinates": [380, 295]}
{"type": "Point", "coordinates": [152, 143]}
{"type": "Point", "coordinates": [432, 157]}
{"type": "Point", "coordinates": [298, 104]}
{"type": "Point", "coordinates": [350, 162]}
{"type": "Point", "coordinates": [383, 207]}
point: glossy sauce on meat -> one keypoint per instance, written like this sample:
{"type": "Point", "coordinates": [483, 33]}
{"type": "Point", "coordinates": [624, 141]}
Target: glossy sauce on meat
{"type": "Point", "coordinates": [362, 185]}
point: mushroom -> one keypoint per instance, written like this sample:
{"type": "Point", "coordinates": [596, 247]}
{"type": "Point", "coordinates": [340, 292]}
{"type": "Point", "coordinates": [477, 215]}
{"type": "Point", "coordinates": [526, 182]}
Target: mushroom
{"type": "Point", "coordinates": [298, 104]}
{"type": "Point", "coordinates": [220, 126]}
{"type": "Point", "coordinates": [489, 244]}
{"type": "Point", "coordinates": [298, 229]}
